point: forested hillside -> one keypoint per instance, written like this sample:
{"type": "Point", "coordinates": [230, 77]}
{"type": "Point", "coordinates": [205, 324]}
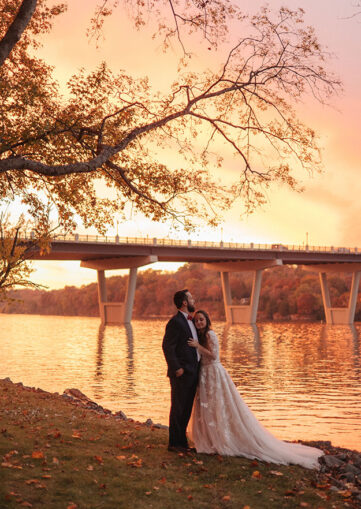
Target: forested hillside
{"type": "Point", "coordinates": [287, 293]}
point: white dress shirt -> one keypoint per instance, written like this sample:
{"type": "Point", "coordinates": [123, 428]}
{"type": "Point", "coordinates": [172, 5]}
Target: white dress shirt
{"type": "Point", "coordinates": [193, 331]}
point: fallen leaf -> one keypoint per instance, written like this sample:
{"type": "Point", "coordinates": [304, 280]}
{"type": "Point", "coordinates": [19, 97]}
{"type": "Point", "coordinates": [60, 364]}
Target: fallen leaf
{"type": "Point", "coordinates": [275, 472]}
{"type": "Point", "coordinates": [99, 459]}
{"type": "Point", "coordinates": [345, 493]}
{"type": "Point", "coordinates": [190, 497]}
{"type": "Point", "coordinates": [226, 498]}
{"type": "Point", "coordinates": [26, 504]}
{"type": "Point", "coordinates": [121, 457]}
{"type": "Point", "coordinates": [90, 467]}
{"type": "Point", "coordinates": [256, 474]}
{"type": "Point", "coordinates": [72, 506]}
{"type": "Point", "coordinates": [290, 493]}
{"type": "Point", "coordinates": [148, 492]}
{"type": "Point", "coordinates": [55, 461]}
{"type": "Point", "coordinates": [37, 455]}
{"type": "Point", "coordinates": [46, 476]}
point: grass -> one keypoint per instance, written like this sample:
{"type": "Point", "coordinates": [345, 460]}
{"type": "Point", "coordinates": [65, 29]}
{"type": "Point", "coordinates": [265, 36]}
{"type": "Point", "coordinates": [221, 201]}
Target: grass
{"type": "Point", "coordinates": [55, 454]}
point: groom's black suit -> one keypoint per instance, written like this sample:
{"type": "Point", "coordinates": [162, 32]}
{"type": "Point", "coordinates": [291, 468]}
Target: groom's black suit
{"type": "Point", "coordinates": [179, 354]}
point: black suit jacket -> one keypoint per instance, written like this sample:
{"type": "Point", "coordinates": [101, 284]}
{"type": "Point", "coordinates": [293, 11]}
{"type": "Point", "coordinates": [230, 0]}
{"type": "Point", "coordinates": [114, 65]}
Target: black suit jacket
{"type": "Point", "coordinates": [177, 352]}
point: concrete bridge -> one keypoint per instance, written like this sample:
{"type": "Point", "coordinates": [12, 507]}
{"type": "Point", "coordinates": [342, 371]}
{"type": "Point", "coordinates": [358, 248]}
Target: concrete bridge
{"type": "Point", "coordinates": [109, 253]}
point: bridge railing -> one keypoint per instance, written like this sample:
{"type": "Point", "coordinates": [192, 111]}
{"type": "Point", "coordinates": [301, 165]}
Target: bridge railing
{"type": "Point", "coordinates": [153, 241]}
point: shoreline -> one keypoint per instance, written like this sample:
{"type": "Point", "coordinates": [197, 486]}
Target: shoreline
{"type": "Point", "coordinates": [340, 467]}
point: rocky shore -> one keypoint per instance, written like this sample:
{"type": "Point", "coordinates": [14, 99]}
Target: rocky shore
{"type": "Point", "coordinates": [340, 468]}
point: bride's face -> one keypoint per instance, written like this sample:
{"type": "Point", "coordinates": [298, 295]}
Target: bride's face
{"type": "Point", "coordinates": [200, 321]}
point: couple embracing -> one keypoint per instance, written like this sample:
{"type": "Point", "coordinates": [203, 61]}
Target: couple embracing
{"type": "Point", "coordinates": [203, 394]}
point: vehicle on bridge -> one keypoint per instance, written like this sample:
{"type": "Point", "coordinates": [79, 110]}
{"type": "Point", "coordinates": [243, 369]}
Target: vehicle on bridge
{"type": "Point", "coordinates": [280, 247]}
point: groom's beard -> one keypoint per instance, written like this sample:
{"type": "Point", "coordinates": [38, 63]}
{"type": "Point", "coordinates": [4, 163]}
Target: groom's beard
{"type": "Point", "coordinates": [191, 308]}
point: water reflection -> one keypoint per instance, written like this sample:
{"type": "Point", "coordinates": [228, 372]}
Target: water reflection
{"type": "Point", "coordinates": [109, 336]}
{"type": "Point", "coordinates": [301, 380]}
{"type": "Point", "coordinates": [99, 356]}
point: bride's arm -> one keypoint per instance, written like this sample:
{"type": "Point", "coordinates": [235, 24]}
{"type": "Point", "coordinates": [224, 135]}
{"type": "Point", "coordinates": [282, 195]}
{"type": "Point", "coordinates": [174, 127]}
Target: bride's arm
{"type": "Point", "coordinates": [201, 349]}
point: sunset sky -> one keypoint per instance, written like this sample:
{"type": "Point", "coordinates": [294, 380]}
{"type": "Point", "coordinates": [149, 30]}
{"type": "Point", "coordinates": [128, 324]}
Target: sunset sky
{"type": "Point", "coordinates": [328, 210]}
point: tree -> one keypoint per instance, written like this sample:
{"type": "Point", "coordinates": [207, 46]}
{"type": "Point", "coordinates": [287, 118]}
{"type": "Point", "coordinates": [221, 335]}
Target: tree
{"type": "Point", "coordinates": [15, 267]}
{"type": "Point", "coordinates": [113, 127]}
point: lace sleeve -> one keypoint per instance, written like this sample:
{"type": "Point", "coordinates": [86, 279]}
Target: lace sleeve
{"type": "Point", "coordinates": [213, 345]}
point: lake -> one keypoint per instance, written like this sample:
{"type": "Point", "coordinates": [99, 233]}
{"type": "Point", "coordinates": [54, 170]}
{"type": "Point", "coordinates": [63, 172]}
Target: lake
{"type": "Point", "coordinates": [303, 381]}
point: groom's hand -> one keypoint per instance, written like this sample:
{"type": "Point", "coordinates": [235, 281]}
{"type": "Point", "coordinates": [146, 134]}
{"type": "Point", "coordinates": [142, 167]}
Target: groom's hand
{"type": "Point", "coordinates": [179, 372]}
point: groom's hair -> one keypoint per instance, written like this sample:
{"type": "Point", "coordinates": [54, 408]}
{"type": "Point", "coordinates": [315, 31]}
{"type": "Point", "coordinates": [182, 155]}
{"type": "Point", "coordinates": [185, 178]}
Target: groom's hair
{"type": "Point", "coordinates": [179, 297]}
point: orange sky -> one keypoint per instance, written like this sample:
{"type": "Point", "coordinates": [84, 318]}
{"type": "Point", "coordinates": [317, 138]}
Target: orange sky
{"type": "Point", "coordinates": [329, 208]}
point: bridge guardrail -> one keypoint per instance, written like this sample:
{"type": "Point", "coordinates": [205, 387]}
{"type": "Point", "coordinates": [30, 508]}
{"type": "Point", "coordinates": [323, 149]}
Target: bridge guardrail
{"type": "Point", "coordinates": [104, 239]}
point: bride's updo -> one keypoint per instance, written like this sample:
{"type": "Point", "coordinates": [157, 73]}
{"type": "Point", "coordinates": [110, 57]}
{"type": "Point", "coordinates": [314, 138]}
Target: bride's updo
{"type": "Point", "coordinates": [203, 335]}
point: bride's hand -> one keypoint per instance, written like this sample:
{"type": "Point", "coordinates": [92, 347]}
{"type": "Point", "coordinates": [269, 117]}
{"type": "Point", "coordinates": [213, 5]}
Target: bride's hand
{"type": "Point", "coordinates": [193, 342]}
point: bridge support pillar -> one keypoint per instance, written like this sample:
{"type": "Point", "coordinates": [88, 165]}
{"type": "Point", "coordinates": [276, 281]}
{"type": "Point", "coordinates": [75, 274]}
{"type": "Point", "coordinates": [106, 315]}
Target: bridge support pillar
{"type": "Point", "coordinates": [242, 313]}
{"type": "Point", "coordinates": [345, 315]}
{"type": "Point", "coordinates": [116, 312]}
{"type": "Point", "coordinates": [112, 313]}
{"type": "Point", "coordinates": [340, 315]}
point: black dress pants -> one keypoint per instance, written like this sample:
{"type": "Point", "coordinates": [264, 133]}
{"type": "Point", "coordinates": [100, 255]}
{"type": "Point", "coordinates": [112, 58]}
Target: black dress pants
{"type": "Point", "coordinates": [183, 390]}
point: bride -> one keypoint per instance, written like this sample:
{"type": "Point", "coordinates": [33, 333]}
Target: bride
{"type": "Point", "coordinates": [221, 421]}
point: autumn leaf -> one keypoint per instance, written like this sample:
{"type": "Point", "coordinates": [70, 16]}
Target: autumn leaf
{"type": "Point", "coordinates": [345, 493]}
{"type": "Point", "coordinates": [121, 457]}
{"type": "Point", "coordinates": [26, 504]}
{"type": "Point", "coordinates": [190, 497]}
{"type": "Point", "coordinates": [289, 493]}
{"type": "Point", "coordinates": [90, 468]}
{"type": "Point", "coordinates": [256, 474]}
{"type": "Point", "coordinates": [99, 459]}
{"type": "Point", "coordinates": [226, 498]}
{"type": "Point", "coordinates": [72, 506]}
{"type": "Point", "coordinates": [37, 455]}
{"type": "Point", "coordinates": [325, 486]}
{"type": "Point", "coordinates": [276, 472]}
{"type": "Point", "coordinates": [148, 492]}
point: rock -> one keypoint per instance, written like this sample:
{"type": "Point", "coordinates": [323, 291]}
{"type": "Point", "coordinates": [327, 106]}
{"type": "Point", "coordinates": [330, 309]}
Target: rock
{"type": "Point", "coordinates": [120, 415]}
{"type": "Point", "coordinates": [160, 426]}
{"type": "Point", "coordinates": [76, 394]}
{"type": "Point", "coordinates": [352, 469]}
{"type": "Point", "coordinates": [349, 477]}
{"type": "Point", "coordinates": [331, 461]}
{"type": "Point", "coordinates": [7, 379]}
{"type": "Point", "coordinates": [148, 422]}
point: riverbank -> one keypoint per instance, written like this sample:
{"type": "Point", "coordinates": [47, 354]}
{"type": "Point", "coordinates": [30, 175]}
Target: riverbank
{"type": "Point", "coordinates": [64, 451]}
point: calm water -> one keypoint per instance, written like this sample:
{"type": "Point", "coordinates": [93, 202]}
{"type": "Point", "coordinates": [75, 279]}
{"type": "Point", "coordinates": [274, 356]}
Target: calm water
{"type": "Point", "coordinates": [303, 381]}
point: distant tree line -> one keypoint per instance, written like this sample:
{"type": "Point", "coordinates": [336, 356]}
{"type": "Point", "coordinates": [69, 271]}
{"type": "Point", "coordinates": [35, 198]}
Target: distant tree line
{"type": "Point", "coordinates": [288, 293]}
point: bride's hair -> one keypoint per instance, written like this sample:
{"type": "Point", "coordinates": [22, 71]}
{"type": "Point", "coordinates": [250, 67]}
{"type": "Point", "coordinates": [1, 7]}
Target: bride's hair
{"type": "Point", "coordinates": [202, 336]}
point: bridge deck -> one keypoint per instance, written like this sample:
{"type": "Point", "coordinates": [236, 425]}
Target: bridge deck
{"type": "Point", "coordinates": [86, 247]}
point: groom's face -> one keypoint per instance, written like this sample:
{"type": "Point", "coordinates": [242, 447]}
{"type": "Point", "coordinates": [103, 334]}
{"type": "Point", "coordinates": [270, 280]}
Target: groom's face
{"type": "Point", "coordinates": [190, 303]}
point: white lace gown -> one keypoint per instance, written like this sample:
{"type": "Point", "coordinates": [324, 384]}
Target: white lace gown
{"type": "Point", "coordinates": [223, 424]}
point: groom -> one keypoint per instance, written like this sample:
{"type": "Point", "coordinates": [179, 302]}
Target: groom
{"type": "Point", "coordinates": [182, 363]}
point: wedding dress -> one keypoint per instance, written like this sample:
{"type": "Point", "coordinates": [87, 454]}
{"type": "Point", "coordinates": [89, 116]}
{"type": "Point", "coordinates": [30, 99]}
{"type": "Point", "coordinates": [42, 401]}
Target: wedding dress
{"type": "Point", "coordinates": [222, 423]}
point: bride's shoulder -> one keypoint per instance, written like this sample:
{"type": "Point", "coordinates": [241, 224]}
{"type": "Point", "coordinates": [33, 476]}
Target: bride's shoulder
{"type": "Point", "coordinates": [212, 334]}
